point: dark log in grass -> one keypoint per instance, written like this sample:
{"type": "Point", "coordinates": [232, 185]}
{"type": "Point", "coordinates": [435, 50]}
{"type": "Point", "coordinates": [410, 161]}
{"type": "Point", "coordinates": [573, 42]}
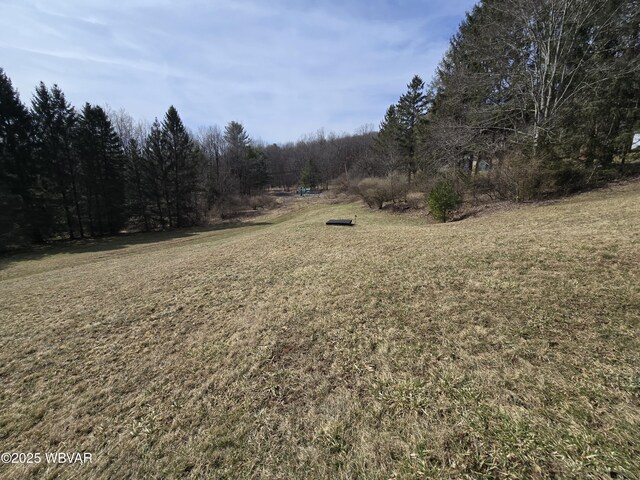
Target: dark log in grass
{"type": "Point", "coordinates": [344, 222]}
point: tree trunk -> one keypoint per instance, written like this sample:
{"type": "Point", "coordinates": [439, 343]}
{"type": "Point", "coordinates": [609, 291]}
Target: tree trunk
{"type": "Point", "coordinates": [68, 215]}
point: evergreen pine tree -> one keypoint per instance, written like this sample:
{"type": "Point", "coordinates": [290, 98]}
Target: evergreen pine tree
{"type": "Point", "coordinates": [53, 130]}
{"type": "Point", "coordinates": [238, 150]}
{"type": "Point", "coordinates": [156, 176]}
{"type": "Point", "coordinates": [387, 144]}
{"type": "Point", "coordinates": [180, 152]}
{"type": "Point", "coordinates": [410, 112]}
{"type": "Point", "coordinates": [260, 176]}
{"type": "Point", "coordinates": [310, 175]}
{"type": "Point", "coordinates": [102, 158]}
{"type": "Point", "coordinates": [134, 168]}
{"type": "Point", "coordinates": [18, 219]}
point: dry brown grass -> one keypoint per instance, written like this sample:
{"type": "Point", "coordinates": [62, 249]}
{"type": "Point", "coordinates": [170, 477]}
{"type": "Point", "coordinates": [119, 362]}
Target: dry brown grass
{"type": "Point", "coordinates": [505, 346]}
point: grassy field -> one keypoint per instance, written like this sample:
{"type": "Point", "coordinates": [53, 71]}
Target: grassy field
{"type": "Point", "coordinates": [504, 346]}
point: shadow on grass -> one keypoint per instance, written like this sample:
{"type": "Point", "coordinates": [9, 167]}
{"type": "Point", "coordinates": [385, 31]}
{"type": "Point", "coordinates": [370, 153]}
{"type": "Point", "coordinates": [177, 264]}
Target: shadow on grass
{"type": "Point", "coordinates": [114, 242]}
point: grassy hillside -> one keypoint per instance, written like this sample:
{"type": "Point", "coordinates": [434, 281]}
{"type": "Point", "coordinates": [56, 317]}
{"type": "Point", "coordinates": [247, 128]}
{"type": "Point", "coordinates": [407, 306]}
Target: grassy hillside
{"type": "Point", "coordinates": [501, 346]}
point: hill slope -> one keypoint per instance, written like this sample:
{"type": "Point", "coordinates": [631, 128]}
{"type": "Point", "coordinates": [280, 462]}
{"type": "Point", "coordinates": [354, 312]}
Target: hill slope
{"type": "Point", "coordinates": [505, 345]}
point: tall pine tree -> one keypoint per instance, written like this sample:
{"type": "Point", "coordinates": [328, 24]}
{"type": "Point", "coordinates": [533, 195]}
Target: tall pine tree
{"type": "Point", "coordinates": [396, 145]}
{"type": "Point", "coordinates": [387, 144]}
{"type": "Point", "coordinates": [182, 160]}
{"type": "Point", "coordinates": [18, 220]}
{"type": "Point", "coordinates": [237, 153]}
{"type": "Point", "coordinates": [156, 177]}
{"type": "Point", "coordinates": [102, 158]}
{"type": "Point", "coordinates": [411, 111]}
{"type": "Point", "coordinates": [54, 121]}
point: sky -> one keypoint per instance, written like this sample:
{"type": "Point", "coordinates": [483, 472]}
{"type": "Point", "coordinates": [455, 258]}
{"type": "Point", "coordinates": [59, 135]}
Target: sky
{"type": "Point", "coordinates": [282, 68]}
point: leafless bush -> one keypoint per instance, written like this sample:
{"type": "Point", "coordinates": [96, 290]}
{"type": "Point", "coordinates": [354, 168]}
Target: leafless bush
{"type": "Point", "coordinates": [376, 191]}
{"type": "Point", "coordinates": [228, 207]}
{"type": "Point", "coordinates": [347, 183]}
{"type": "Point", "coordinates": [261, 201]}
{"type": "Point", "coordinates": [423, 181]}
{"type": "Point", "coordinates": [397, 187]}
{"type": "Point", "coordinates": [373, 191]}
{"type": "Point", "coordinates": [518, 177]}
{"type": "Point", "coordinates": [415, 201]}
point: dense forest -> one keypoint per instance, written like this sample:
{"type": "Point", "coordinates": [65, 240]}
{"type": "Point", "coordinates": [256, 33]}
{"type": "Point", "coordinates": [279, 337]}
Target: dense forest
{"type": "Point", "coordinates": [545, 95]}
{"type": "Point", "coordinates": [539, 97]}
{"type": "Point", "coordinates": [70, 174]}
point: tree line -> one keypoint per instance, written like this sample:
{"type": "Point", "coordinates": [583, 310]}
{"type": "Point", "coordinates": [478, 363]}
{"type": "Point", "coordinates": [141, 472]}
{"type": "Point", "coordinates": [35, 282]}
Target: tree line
{"type": "Point", "coordinates": [68, 173]}
{"type": "Point", "coordinates": [544, 94]}
{"type": "Point", "coordinates": [319, 158]}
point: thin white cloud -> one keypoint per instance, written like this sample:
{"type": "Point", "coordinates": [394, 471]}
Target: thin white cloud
{"type": "Point", "coordinates": [283, 68]}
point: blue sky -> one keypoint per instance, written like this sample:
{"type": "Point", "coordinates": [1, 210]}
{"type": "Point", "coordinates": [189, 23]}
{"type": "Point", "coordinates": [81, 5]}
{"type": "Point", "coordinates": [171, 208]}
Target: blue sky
{"type": "Point", "coordinates": [283, 68]}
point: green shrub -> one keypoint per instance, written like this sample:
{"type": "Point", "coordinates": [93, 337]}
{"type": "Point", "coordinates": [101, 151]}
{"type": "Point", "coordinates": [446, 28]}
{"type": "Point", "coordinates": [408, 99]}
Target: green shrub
{"type": "Point", "coordinates": [442, 199]}
{"type": "Point", "coordinates": [566, 176]}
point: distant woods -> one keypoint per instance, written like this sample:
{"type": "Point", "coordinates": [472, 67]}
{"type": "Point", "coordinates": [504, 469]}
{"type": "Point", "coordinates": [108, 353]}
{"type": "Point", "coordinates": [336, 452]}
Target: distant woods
{"type": "Point", "coordinates": [532, 98]}
{"type": "Point", "coordinates": [69, 173]}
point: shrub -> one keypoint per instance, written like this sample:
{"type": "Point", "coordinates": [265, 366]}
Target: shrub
{"type": "Point", "coordinates": [261, 201]}
{"type": "Point", "coordinates": [518, 177]}
{"type": "Point", "coordinates": [228, 206]}
{"type": "Point", "coordinates": [422, 181]}
{"type": "Point", "coordinates": [566, 176]}
{"type": "Point", "coordinates": [376, 191]}
{"type": "Point", "coordinates": [397, 187]}
{"type": "Point", "coordinates": [521, 177]}
{"type": "Point", "coordinates": [442, 199]}
{"type": "Point", "coordinates": [373, 191]}
{"type": "Point", "coordinates": [415, 201]}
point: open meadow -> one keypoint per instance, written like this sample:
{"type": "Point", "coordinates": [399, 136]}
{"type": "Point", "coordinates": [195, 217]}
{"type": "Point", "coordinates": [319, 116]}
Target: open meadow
{"type": "Point", "coordinates": [503, 346]}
